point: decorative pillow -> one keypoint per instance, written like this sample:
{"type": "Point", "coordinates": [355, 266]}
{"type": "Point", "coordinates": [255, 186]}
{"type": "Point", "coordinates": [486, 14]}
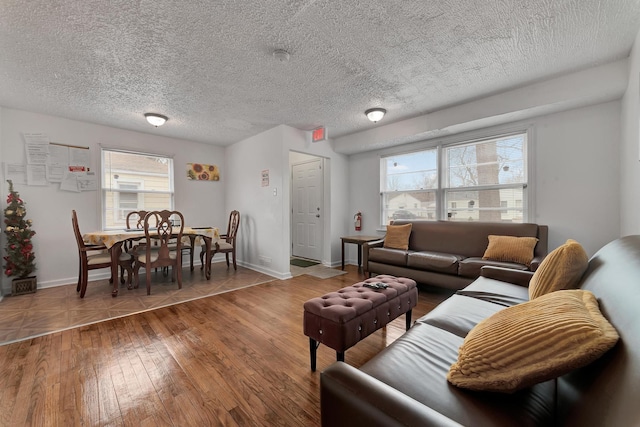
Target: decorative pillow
{"type": "Point", "coordinates": [561, 269]}
{"type": "Point", "coordinates": [533, 342]}
{"type": "Point", "coordinates": [510, 249]}
{"type": "Point", "coordinates": [397, 236]}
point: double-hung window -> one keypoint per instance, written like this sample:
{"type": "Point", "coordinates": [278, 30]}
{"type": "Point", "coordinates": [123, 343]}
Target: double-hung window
{"type": "Point", "coordinates": [480, 180]}
{"type": "Point", "coordinates": [408, 185]}
{"type": "Point", "coordinates": [486, 180]}
{"type": "Point", "coordinates": [134, 181]}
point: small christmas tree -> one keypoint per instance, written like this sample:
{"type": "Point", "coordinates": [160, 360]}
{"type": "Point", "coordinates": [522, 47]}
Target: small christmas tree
{"type": "Point", "coordinates": [20, 259]}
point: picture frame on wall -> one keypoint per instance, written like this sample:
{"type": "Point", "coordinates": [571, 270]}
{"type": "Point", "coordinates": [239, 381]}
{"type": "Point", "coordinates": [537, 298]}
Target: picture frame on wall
{"type": "Point", "coordinates": [202, 172]}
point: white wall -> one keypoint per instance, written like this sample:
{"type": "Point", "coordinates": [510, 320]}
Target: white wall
{"type": "Point", "coordinates": [629, 149]}
{"type": "Point", "coordinates": [576, 183]}
{"type": "Point", "coordinates": [260, 237]}
{"type": "Point", "coordinates": [202, 203]}
{"type": "Point", "coordinates": [265, 231]}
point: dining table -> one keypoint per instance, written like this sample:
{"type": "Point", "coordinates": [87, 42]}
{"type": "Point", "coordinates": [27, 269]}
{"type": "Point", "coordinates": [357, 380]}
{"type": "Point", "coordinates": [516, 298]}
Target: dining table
{"type": "Point", "coordinates": [114, 239]}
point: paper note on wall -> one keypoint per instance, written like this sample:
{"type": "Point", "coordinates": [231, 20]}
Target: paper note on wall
{"type": "Point", "coordinates": [36, 174]}
{"type": "Point", "coordinates": [17, 173]}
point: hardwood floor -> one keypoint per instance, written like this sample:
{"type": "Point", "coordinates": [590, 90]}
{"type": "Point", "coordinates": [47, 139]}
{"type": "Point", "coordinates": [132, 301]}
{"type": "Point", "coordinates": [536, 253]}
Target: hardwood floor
{"type": "Point", "coordinates": [235, 359]}
{"type": "Point", "coordinates": [57, 308]}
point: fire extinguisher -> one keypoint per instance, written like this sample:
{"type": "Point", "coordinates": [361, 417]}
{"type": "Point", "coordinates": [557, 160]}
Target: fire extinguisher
{"type": "Point", "coordinates": [358, 221]}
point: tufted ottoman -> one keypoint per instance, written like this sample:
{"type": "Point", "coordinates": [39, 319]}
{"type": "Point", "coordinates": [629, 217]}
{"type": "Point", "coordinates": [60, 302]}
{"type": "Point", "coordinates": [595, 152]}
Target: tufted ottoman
{"type": "Point", "coordinates": [340, 319]}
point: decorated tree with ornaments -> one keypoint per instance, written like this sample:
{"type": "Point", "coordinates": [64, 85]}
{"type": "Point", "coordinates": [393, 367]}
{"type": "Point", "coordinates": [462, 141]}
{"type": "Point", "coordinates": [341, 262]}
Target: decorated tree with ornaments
{"type": "Point", "coordinates": [20, 259]}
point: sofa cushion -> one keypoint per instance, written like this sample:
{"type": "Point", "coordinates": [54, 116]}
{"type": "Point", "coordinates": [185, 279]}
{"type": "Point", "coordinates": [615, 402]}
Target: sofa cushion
{"type": "Point", "coordinates": [459, 314]}
{"type": "Point", "coordinates": [388, 256]}
{"type": "Point", "coordinates": [470, 267]}
{"type": "Point", "coordinates": [469, 306]}
{"type": "Point", "coordinates": [533, 342]}
{"type": "Point", "coordinates": [561, 269]}
{"type": "Point", "coordinates": [510, 249]}
{"type": "Point", "coordinates": [397, 236]}
{"type": "Point", "coordinates": [496, 292]}
{"type": "Point", "coordinates": [434, 261]}
{"type": "Point", "coordinates": [416, 364]}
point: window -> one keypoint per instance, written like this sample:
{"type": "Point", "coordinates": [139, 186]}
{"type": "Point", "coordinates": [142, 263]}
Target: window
{"type": "Point", "coordinates": [134, 181]}
{"type": "Point", "coordinates": [489, 174]}
{"type": "Point", "coordinates": [408, 185]}
{"type": "Point", "coordinates": [483, 180]}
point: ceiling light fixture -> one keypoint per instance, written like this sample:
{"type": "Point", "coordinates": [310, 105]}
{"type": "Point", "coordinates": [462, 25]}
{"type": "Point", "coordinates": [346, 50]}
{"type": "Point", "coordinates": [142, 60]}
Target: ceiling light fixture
{"type": "Point", "coordinates": [375, 114]}
{"type": "Point", "coordinates": [156, 119]}
{"type": "Point", "coordinates": [281, 55]}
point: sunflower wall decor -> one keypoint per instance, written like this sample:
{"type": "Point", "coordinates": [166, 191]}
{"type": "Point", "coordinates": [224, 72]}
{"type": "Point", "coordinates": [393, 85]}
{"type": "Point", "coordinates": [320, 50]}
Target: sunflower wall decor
{"type": "Point", "coordinates": [202, 172]}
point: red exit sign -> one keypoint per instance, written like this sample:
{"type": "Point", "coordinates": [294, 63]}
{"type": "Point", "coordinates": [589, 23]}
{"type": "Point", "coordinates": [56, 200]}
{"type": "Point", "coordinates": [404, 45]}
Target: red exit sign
{"type": "Point", "coordinates": [318, 134]}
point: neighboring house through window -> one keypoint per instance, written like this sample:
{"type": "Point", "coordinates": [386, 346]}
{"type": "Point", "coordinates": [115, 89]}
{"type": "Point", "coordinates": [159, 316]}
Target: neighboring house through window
{"type": "Point", "coordinates": [134, 181]}
{"type": "Point", "coordinates": [408, 185]}
{"type": "Point", "coordinates": [480, 180]}
{"type": "Point", "coordinates": [128, 198]}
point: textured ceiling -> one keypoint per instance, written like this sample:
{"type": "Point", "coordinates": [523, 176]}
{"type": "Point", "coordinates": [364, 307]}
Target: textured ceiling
{"type": "Point", "coordinates": [209, 65]}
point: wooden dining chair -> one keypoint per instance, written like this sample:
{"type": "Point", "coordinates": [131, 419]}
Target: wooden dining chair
{"type": "Point", "coordinates": [135, 219]}
{"type": "Point", "coordinates": [93, 257]}
{"type": "Point", "coordinates": [227, 242]}
{"type": "Point", "coordinates": [161, 255]}
{"type": "Point", "coordinates": [187, 247]}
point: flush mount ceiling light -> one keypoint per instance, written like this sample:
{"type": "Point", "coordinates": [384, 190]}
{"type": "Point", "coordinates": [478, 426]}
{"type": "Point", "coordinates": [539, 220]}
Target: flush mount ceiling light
{"type": "Point", "coordinates": [281, 55]}
{"type": "Point", "coordinates": [375, 114]}
{"type": "Point", "coordinates": [156, 119]}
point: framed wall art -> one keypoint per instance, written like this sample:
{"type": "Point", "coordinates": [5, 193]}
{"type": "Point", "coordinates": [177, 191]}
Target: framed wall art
{"type": "Point", "coordinates": [202, 172]}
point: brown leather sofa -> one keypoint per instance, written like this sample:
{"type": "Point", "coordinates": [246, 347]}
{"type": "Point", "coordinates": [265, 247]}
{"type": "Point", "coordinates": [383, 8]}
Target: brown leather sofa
{"type": "Point", "coordinates": [406, 384]}
{"type": "Point", "coordinates": [448, 254]}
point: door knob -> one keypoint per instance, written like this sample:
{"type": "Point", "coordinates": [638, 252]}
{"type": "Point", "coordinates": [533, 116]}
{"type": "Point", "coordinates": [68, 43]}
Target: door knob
{"type": "Point", "coordinates": [317, 215]}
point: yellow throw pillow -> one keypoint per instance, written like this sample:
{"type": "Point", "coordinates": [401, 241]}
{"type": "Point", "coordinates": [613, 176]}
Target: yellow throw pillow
{"type": "Point", "coordinates": [561, 269]}
{"type": "Point", "coordinates": [510, 249]}
{"type": "Point", "coordinates": [533, 342]}
{"type": "Point", "coordinates": [397, 236]}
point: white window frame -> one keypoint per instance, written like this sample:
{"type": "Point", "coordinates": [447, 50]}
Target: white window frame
{"type": "Point", "coordinates": [473, 211]}
{"type": "Point", "coordinates": [528, 194]}
{"type": "Point", "coordinates": [385, 192]}
{"type": "Point", "coordinates": [109, 187]}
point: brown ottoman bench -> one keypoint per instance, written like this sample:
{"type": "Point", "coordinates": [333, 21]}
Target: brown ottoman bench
{"type": "Point", "coordinates": [340, 319]}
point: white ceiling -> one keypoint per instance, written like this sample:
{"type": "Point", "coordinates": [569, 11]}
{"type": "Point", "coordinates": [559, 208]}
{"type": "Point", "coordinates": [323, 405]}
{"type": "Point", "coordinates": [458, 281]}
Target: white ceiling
{"type": "Point", "coordinates": [208, 65]}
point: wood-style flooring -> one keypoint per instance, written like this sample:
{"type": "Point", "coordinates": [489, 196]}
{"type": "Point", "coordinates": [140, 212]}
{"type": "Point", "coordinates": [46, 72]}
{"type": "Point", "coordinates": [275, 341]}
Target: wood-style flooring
{"type": "Point", "coordinates": [238, 358]}
{"type": "Point", "coordinates": [54, 309]}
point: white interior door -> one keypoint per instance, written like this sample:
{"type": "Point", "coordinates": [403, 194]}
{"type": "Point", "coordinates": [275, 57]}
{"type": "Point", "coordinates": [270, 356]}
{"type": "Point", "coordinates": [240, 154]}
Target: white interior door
{"type": "Point", "coordinates": [307, 209]}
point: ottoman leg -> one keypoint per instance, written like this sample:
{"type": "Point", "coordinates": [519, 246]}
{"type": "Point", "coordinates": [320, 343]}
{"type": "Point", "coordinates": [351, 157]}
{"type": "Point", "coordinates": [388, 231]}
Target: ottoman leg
{"type": "Point", "coordinates": [408, 319]}
{"type": "Point", "coordinates": [340, 356]}
{"type": "Point", "coordinates": [313, 349]}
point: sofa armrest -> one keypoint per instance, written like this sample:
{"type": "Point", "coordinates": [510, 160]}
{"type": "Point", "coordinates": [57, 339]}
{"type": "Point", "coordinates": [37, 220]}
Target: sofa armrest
{"type": "Point", "coordinates": [365, 252]}
{"type": "Point", "coordinates": [349, 397]}
{"type": "Point", "coordinates": [517, 277]}
{"type": "Point", "coordinates": [375, 244]}
{"type": "Point", "coordinates": [535, 263]}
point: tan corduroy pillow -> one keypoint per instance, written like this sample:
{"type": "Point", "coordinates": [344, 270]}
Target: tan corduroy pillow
{"type": "Point", "coordinates": [510, 249]}
{"type": "Point", "coordinates": [533, 342]}
{"type": "Point", "coordinates": [397, 236]}
{"type": "Point", "coordinates": [561, 269]}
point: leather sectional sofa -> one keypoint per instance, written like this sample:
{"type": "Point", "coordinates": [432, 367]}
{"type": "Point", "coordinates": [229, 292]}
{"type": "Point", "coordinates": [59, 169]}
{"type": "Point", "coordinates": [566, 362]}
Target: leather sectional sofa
{"type": "Point", "coordinates": [406, 383]}
{"type": "Point", "coordinates": [449, 254]}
